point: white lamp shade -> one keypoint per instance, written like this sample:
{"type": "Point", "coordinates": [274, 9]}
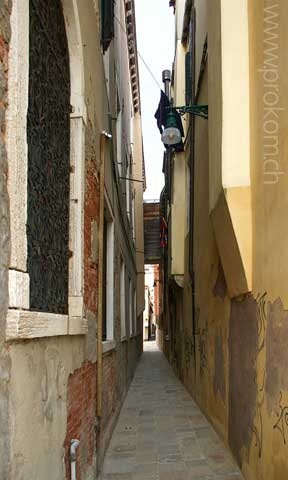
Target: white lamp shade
{"type": "Point", "coordinates": [171, 136]}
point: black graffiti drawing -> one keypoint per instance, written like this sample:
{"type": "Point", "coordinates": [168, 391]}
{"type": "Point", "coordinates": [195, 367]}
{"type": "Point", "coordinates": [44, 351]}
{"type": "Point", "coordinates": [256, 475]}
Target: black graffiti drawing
{"type": "Point", "coordinates": [261, 301]}
{"type": "Point", "coordinates": [189, 348]}
{"type": "Point", "coordinates": [258, 424]}
{"type": "Point", "coordinates": [202, 349]}
{"type": "Point", "coordinates": [263, 382]}
{"type": "Point", "coordinates": [258, 432]}
{"type": "Point", "coordinates": [258, 429]}
{"type": "Point", "coordinates": [282, 423]}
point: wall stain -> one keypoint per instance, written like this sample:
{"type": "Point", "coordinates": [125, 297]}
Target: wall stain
{"type": "Point", "coordinates": [220, 287]}
{"type": "Point", "coordinates": [276, 352]}
{"type": "Point", "coordinates": [219, 384]}
{"type": "Point", "coordinates": [243, 347]}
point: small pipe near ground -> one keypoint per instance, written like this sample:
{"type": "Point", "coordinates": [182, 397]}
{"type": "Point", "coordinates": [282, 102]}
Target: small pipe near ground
{"type": "Point", "coordinates": [74, 444]}
{"type": "Point", "coordinates": [103, 140]}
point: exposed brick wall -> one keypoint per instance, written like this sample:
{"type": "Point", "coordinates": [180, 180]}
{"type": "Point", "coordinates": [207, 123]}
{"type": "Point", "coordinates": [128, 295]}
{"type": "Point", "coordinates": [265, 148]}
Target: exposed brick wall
{"type": "Point", "coordinates": [91, 215]}
{"type": "Point", "coordinates": [111, 387]}
{"type": "Point", "coordinates": [81, 407]}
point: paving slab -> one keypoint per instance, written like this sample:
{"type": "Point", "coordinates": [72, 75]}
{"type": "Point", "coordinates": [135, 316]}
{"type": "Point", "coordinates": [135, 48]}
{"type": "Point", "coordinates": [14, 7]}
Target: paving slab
{"type": "Point", "coordinates": [162, 434]}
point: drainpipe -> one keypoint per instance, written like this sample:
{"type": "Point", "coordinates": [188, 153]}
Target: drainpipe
{"type": "Point", "coordinates": [103, 140]}
{"type": "Point", "coordinates": [74, 444]}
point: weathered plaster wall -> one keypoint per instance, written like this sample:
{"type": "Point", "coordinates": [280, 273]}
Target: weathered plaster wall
{"type": "Point", "coordinates": [235, 361]}
{"type": "Point", "coordinates": [52, 382]}
{"type": "Point", "coordinates": [5, 10]}
{"type": "Point", "coordinates": [40, 372]}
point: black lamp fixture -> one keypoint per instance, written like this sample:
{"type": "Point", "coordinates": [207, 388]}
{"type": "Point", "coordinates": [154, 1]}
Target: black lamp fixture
{"type": "Point", "coordinates": [172, 135]}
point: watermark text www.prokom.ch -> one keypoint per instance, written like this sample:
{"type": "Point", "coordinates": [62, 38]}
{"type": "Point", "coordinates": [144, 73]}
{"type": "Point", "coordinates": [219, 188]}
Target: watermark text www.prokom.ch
{"type": "Point", "coordinates": [271, 96]}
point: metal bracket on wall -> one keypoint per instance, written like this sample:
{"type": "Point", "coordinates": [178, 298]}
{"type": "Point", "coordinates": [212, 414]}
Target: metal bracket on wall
{"type": "Point", "coordinates": [197, 110]}
{"type": "Point", "coordinates": [131, 179]}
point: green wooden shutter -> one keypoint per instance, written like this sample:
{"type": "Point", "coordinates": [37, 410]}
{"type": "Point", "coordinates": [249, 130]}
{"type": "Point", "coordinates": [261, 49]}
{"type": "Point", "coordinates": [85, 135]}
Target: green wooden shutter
{"type": "Point", "coordinates": [107, 23]}
{"type": "Point", "coordinates": [188, 79]}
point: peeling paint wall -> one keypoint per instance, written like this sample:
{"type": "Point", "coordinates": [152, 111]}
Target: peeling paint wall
{"type": "Point", "coordinates": [243, 345]}
{"type": "Point", "coordinates": [5, 364]}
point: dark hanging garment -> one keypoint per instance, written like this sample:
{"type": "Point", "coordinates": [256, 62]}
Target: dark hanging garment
{"type": "Point", "coordinates": [162, 110]}
{"type": "Point", "coordinates": [161, 117]}
{"type": "Point", "coordinates": [107, 23]}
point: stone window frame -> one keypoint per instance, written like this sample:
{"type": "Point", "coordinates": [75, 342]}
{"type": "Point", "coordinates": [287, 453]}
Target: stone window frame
{"type": "Point", "coordinates": [110, 280]}
{"type": "Point", "coordinates": [130, 306]}
{"type": "Point", "coordinates": [123, 297]}
{"type": "Point", "coordinates": [21, 323]}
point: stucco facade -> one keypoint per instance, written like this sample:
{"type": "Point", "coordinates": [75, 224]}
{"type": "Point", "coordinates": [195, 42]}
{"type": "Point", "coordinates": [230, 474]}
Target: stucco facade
{"type": "Point", "coordinates": [49, 380]}
{"type": "Point", "coordinates": [224, 320]}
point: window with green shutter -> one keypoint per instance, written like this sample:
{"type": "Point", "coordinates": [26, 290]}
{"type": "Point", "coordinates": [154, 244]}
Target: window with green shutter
{"type": "Point", "coordinates": [107, 23]}
{"type": "Point", "coordinates": [188, 78]}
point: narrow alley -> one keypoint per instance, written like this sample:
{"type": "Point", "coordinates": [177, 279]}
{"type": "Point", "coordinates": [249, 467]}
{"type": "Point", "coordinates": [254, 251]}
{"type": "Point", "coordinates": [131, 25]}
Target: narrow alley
{"type": "Point", "coordinates": [161, 433]}
{"type": "Point", "coordinates": [143, 240]}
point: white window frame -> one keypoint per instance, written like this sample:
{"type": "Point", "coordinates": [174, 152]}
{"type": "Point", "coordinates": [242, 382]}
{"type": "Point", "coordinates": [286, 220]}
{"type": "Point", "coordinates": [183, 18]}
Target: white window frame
{"type": "Point", "coordinates": [122, 297]}
{"type": "Point", "coordinates": [135, 311]}
{"type": "Point", "coordinates": [133, 216]}
{"type": "Point", "coordinates": [21, 323]}
{"type": "Point", "coordinates": [128, 191]}
{"type": "Point", "coordinates": [130, 306]}
{"type": "Point", "coordinates": [119, 142]}
{"type": "Point", "coordinates": [109, 272]}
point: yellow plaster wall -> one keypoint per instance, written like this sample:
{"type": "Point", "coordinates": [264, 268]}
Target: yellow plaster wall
{"type": "Point", "coordinates": [178, 204]}
{"type": "Point", "coordinates": [229, 141]}
{"type": "Point", "coordinates": [240, 222]}
{"type": "Point", "coordinates": [269, 171]}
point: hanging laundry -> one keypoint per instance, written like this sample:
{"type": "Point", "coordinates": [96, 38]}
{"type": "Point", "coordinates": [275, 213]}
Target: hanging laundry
{"type": "Point", "coordinates": [163, 233]}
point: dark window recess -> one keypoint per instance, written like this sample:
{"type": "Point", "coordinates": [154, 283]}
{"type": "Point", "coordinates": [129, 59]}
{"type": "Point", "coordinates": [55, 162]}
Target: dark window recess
{"type": "Point", "coordinates": [192, 41]}
{"type": "Point", "coordinates": [188, 78]}
{"type": "Point", "coordinates": [48, 137]}
{"type": "Point", "coordinates": [107, 23]}
{"type": "Point", "coordinates": [104, 298]}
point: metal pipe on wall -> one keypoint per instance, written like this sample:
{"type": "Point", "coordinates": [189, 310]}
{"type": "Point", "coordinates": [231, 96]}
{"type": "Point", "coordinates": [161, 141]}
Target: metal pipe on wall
{"type": "Point", "coordinates": [166, 79]}
{"type": "Point", "coordinates": [74, 444]}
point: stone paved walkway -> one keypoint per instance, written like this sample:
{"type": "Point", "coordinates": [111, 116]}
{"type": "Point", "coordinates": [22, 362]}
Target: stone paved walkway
{"type": "Point", "coordinates": [161, 433]}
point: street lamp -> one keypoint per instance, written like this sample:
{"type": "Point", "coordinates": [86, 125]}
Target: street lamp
{"type": "Point", "coordinates": [172, 135]}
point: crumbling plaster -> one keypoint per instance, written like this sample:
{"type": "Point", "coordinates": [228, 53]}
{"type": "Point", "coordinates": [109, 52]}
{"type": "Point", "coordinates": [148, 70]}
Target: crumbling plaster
{"type": "Point", "coordinates": [4, 247]}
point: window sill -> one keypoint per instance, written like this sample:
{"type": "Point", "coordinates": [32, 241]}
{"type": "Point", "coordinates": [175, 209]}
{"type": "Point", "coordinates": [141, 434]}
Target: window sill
{"type": "Point", "coordinates": [108, 345]}
{"type": "Point", "coordinates": [23, 324]}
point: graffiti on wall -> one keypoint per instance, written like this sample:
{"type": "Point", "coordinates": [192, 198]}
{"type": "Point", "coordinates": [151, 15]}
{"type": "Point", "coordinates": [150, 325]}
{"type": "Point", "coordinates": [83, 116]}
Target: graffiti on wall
{"type": "Point", "coordinates": [260, 383]}
{"type": "Point", "coordinates": [282, 423]}
{"type": "Point", "coordinates": [219, 383]}
{"type": "Point", "coordinates": [202, 336]}
{"type": "Point", "coordinates": [188, 348]}
{"type": "Point", "coordinates": [243, 347]}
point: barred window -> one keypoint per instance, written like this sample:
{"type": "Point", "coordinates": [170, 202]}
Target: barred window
{"type": "Point", "coordinates": [48, 135]}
